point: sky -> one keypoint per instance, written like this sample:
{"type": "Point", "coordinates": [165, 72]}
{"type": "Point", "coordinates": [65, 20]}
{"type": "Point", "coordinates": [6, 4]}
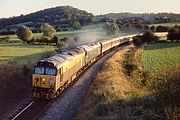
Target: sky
{"type": "Point", "coordinates": [9, 8]}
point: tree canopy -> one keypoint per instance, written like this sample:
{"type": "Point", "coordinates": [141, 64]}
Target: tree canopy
{"type": "Point", "coordinates": [112, 28]}
{"type": "Point", "coordinates": [173, 34]}
{"type": "Point", "coordinates": [76, 25]}
{"type": "Point", "coordinates": [24, 33]}
{"type": "Point", "coordinates": [48, 30]}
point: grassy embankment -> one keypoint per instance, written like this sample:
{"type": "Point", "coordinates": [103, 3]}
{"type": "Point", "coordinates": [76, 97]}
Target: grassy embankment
{"type": "Point", "coordinates": [16, 62]}
{"type": "Point", "coordinates": [124, 90]}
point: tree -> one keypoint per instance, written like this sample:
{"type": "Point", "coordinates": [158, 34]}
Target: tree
{"type": "Point", "coordinates": [152, 28]}
{"type": "Point", "coordinates": [146, 27]}
{"type": "Point", "coordinates": [60, 46]}
{"type": "Point", "coordinates": [24, 33]}
{"type": "Point", "coordinates": [161, 28]}
{"type": "Point", "coordinates": [173, 34]}
{"type": "Point", "coordinates": [137, 40]}
{"type": "Point", "coordinates": [149, 36]}
{"type": "Point", "coordinates": [48, 30]}
{"type": "Point", "coordinates": [111, 28]}
{"type": "Point", "coordinates": [55, 39]}
{"type": "Point", "coordinates": [76, 25]}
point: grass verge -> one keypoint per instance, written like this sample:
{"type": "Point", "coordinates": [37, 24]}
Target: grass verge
{"type": "Point", "coordinates": [124, 91]}
{"type": "Point", "coordinates": [15, 81]}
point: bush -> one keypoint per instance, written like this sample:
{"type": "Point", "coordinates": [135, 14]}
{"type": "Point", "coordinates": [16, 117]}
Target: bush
{"type": "Point", "coordinates": [137, 40]}
{"type": "Point", "coordinates": [165, 85]}
{"type": "Point", "coordinates": [5, 39]}
{"type": "Point", "coordinates": [55, 39]}
{"type": "Point", "coordinates": [146, 27]}
{"type": "Point", "coordinates": [60, 46]}
{"type": "Point", "coordinates": [173, 34]}
{"type": "Point", "coordinates": [152, 28]}
{"type": "Point", "coordinates": [161, 28]}
{"type": "Point", "coordinates": [149, 36]}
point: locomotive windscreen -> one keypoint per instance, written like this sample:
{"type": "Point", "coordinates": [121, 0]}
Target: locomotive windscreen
{"type": "Point", "coordinates": [46, 71]}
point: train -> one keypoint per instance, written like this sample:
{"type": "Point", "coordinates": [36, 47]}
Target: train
{"type": "Point", "coordinates": [52, 75]}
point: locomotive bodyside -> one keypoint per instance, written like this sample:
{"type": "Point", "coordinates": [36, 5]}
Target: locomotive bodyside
{"type": "Point", "coordinates": [115, 42]}
{"type": "Point", "coordinates": [105, 45]}
{"type": "Point", "coordinates": [92, 51]}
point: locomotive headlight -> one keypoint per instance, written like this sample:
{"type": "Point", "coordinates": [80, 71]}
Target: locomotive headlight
{"type": "Point", "coordinates": [44, 79]}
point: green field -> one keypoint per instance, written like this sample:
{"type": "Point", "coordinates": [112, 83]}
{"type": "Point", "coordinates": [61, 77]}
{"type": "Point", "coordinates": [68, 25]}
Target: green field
{"type": "Point", "coordinates": [166, 24]}
{"type": "Point", "coordinates": [15, 51]}
{"type": "Point", "coordinates": [21, 53]}
{"type": "Point", "coordinates": [161, 55]}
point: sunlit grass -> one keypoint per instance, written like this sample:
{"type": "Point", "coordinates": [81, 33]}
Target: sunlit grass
{"type": "Point", "coordinates": [160, 55]}
{"type": "Point", "coordinates": [22, 53]}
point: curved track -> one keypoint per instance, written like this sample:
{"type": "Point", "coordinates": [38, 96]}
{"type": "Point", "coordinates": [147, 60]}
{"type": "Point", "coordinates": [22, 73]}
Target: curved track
{"type": "Point", "coordinates": [65, 107]}
{"type": "Point", "coordinates": [36, 107]}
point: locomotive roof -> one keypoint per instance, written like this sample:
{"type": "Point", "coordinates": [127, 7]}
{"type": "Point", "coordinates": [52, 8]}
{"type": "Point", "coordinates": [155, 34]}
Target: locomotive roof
{"type": "Point", "coordinates": [116, 38]}
{"type": "Point", "coordinates": [104, 41]}
{"type": "Point", "coordinates": [59, 60]}
{"type": "Point", "coordinates": [85, 47]}
{"type": "Point", "coordinates": [89, 46]}
{"type": "Point", "coordinates": [74, 52]}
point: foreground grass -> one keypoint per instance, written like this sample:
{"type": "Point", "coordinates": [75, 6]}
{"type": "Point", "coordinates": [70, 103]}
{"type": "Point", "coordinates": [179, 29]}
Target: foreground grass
{"type": "Point", "coordinates": [122, 91]}
{"type": "Point", "coordinates": [161, 55]}
{"type": "Point", "coordinates": [111, 94]}
{"type": "Point", "coordinates": [22, 53]}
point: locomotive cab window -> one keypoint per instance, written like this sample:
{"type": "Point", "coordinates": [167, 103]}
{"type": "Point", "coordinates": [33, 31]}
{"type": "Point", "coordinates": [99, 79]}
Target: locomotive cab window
{"type": "Point", "coordinates": [50, 71]}
{"type": "Point", "coordinates": [46, 71]}
{"type": "Point", "coordinates": [39, 70]}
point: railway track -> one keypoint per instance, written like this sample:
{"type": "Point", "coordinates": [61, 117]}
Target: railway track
{"type": "Point", "coordinates": [32, 110]}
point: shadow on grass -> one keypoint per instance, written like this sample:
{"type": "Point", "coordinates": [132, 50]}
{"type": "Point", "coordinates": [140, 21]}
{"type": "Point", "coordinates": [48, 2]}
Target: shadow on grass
{"type": "Point", "coordinates": [162, 45]}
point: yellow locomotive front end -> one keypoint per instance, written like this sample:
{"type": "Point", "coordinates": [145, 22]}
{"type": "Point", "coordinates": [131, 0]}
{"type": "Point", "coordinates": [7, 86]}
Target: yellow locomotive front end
{"type": "Point", "coordinates": [44, 82]}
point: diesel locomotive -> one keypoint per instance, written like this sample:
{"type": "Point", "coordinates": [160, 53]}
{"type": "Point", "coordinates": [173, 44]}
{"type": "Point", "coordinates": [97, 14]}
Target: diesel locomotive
{"type": "Point", "coordinates": [52, 75]}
